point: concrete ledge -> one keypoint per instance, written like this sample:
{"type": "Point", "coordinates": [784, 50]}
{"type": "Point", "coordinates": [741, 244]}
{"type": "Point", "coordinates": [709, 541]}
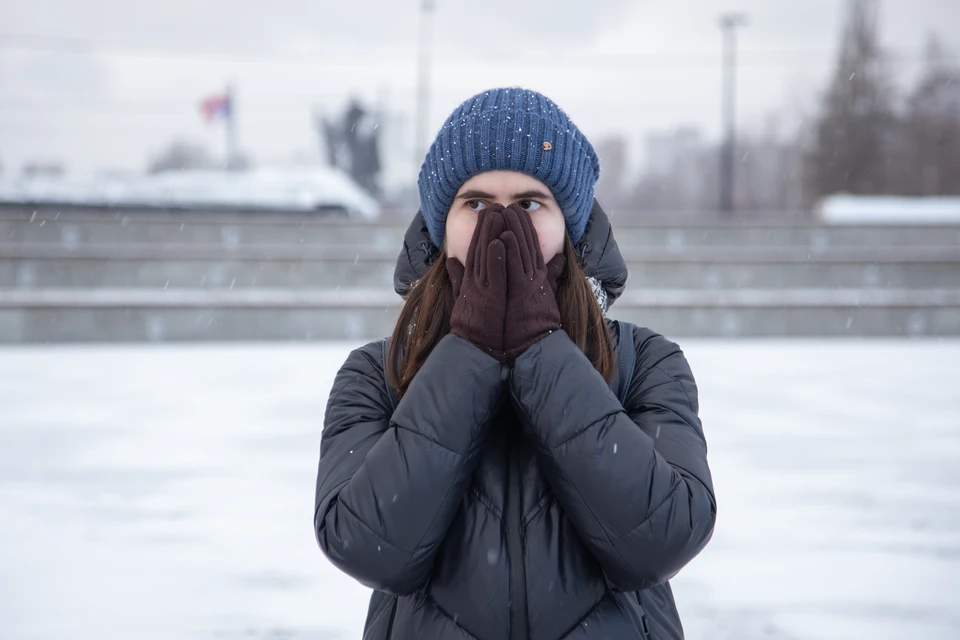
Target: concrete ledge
{"type": "Point", "coordinates": [198, 299]}
{"type": "Point", "coordinates": [74, 226]}
{"type": "Point", "coordinates": [144, 324]}
{"type": "Point", "coordinates": [810, 299]}
{"type": "Point", "coordinates": [622, 218]}
{"type": "Point", "coordinates": [334, 214]}
{"type": "Point", "coordinates": [360, 274]}
{"type": "Point", "coordinates": [305, 253]}
{"type": "Point", "coordinates": [788, 298]}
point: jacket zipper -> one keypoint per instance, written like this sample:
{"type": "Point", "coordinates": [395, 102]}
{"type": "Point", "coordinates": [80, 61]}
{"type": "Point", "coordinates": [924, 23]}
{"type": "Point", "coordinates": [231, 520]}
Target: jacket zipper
{"type": "Point", "coordinates": [518, 578]}
{"type": "Point", "coordinates": [644, 627]}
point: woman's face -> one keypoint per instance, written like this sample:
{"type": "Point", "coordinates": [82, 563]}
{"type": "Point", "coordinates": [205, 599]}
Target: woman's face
{"type": "Point", "coordinates": [506, 188]}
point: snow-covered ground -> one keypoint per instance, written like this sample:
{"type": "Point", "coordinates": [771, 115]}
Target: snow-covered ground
{"type": "Point", "coordinates": [167, 492]}
{"type": "Point", "coordinates": [895, 210]}
{"type": "Point", "coordinates": [292, 189]}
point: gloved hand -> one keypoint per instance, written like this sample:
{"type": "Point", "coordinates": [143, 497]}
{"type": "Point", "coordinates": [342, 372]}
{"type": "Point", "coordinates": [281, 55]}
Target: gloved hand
{"type": "Point", "coordinates": [532, 311]}
{"type": "Point", "coordinates": [480, 286]}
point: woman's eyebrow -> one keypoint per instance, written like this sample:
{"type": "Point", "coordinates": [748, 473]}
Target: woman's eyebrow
{"type": "Point", "coordinates": [475, 194]}
{"type": "Point", "coordinates": [532, 194]}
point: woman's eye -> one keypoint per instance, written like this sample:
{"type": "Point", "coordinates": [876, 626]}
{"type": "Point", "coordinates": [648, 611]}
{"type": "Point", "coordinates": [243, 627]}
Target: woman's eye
{"type": "Point", "coordinates": [529, 205]}
{"type": "Point", "coordinates": [476, 205]}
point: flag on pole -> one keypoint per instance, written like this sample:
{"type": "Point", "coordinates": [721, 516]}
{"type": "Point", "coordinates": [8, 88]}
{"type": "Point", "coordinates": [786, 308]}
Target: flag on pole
{"type": "Point", "coordinates": [216, 106]}
{"type": "Point", "coordinates": [220, 106]}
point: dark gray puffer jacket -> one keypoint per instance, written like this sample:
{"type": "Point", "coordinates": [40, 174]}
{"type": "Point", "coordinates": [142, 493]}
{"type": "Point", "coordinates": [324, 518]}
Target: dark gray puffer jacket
{"type": "Point", "coordinates": [497, 503]}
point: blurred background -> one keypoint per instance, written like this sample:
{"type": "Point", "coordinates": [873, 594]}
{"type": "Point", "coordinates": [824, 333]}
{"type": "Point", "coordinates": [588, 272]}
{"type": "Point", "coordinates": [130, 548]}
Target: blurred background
{"type": "Point", "coordinates": [201, 206]}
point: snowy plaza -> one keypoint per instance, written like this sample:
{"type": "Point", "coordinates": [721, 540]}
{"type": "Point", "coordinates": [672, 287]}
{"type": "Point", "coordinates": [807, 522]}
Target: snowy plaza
{"type": "Point", "coordinates": [167, 492]}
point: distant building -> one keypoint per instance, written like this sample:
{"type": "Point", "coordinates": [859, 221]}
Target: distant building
{"type": "Point", "coordinates": [668, 152]}
{"type": "Point", "coordinates": [46, 169]}
{"type": "Point", "coordinates": [678, 164]}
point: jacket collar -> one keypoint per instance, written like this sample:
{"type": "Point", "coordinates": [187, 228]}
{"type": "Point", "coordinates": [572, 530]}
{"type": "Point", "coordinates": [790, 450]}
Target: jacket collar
{"type": "Point", "coordinates": [599, 254]}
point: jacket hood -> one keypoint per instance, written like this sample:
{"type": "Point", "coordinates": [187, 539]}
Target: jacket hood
{"type": "Point", "coordinates": [599, 254]}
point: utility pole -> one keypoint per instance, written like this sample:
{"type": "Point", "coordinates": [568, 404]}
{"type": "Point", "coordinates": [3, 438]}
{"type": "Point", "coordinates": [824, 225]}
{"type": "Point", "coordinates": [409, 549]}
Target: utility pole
{"type": "Point", "coordinates": [728, 24]}
{"type": "Point", "coordinates": [423, 81]}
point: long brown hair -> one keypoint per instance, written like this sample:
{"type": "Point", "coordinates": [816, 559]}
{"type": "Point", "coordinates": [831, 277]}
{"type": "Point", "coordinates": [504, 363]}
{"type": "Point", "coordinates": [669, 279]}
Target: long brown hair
{"type": "Point", "coordinates": [425, 319]}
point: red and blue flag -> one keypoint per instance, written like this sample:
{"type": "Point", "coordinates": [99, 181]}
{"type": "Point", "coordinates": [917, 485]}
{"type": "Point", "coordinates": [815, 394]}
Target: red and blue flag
{"type": "Point", "coordinates": [216, 106]}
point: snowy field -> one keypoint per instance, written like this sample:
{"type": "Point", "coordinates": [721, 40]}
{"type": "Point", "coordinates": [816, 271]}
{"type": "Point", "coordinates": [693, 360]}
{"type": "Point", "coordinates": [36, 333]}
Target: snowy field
{"type": "Point", "coordinates": [159, 492]}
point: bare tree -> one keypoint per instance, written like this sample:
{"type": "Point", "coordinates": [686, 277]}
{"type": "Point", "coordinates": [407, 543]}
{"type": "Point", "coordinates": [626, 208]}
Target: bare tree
{"type": "Point", "coordinates": [769, 176]}
{"type": "Point", "coordinates": [855, 137]}
{"type": "Point", "coordinates": [932, 158]}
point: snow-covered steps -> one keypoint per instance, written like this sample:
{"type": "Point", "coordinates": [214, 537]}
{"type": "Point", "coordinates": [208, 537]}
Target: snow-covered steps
{"type": "Point", "coordinates": [138, 314]}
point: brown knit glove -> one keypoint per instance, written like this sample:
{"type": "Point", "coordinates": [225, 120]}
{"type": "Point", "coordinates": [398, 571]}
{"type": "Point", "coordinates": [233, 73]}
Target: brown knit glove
{"type": "Point", "coordinates": [532, 311]}
{"type": "Point", "coordinates": [480, 287]}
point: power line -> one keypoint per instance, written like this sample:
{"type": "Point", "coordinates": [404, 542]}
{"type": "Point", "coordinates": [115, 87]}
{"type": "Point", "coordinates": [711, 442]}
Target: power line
{"type": "Point", "coordinates": [190, 51]}
{"type": "Point", "coordinates": [340, 57]}
{"type": "Point", "coordinates": [184, 110]}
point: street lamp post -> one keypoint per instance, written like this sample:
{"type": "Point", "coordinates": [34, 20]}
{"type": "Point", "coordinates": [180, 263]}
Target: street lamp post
{"type": "Point", "coordinates": [728, 24]}
{"type": "Point", "coordinates": [423, 80]}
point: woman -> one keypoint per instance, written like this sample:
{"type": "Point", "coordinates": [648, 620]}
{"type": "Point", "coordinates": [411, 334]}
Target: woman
{"type": "Point", "coordinates": [486, 481]}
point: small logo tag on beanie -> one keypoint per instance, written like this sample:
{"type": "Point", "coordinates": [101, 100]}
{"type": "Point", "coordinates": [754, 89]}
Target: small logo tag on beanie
{"type": "Point", "coordinates": [547, 146]}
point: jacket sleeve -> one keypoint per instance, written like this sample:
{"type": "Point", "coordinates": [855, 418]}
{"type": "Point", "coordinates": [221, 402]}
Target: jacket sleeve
{"type": "Point", "coordinates": [389, 487]}
{"type": "Point", "coordinates": [634, 482]}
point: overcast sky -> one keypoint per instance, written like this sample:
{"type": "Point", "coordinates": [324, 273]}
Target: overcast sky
{"type": "Point", "coordinates": [105, 84]}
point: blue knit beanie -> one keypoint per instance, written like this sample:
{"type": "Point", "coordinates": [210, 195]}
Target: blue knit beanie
{"type": "Point", "coordinates": [509, 129]}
